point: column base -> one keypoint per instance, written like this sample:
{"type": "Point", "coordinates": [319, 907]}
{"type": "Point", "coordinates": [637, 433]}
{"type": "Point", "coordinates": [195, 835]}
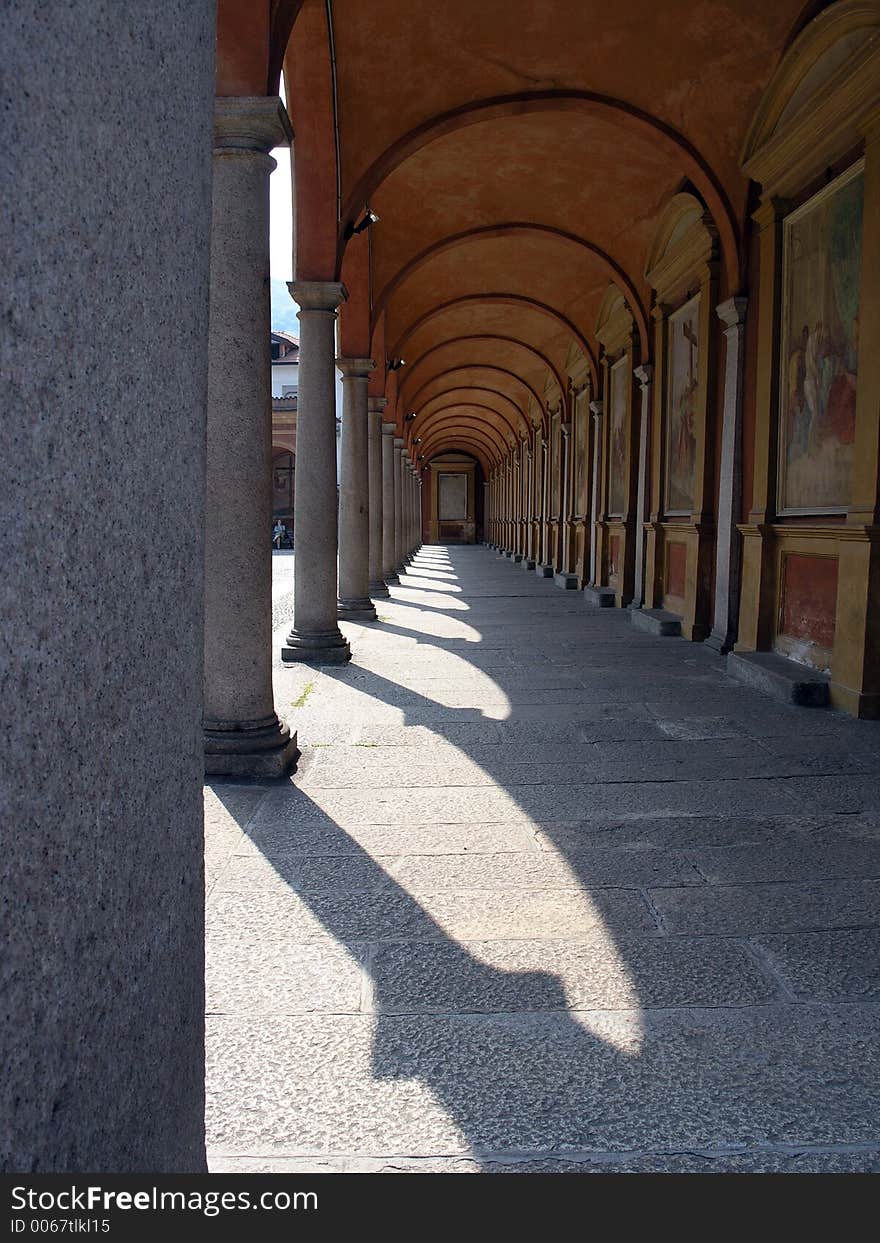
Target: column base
{"type": "Point", "coordinates": [782, 678]}
{"type": "Point", "coordinates": [527, 563]}
{"type": "Point", "coordinates": [355, 610]}
{"type": "Point", "coordinates": [378, 591]}
{"type": "Point", "coordinates": [543, 570]}
{"type": "Point", "coordinates": [656, 621]}
{"type": "Point", "coordinates": [720, 642]}
{"type": "Point", "coordinates": [326, 647]}
{"type": "Point", "coordinates": [600, 597]}
{"type": "Point", "coordinates": [391, 578]}
{"type": "Point", "coordinates": [565, 580]}
{"type": "Point", "coordinates": [264, 749]}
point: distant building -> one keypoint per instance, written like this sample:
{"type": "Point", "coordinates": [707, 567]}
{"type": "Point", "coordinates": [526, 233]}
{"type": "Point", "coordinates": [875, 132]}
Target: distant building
{"type": "Point", "coordinates": [285, 364]}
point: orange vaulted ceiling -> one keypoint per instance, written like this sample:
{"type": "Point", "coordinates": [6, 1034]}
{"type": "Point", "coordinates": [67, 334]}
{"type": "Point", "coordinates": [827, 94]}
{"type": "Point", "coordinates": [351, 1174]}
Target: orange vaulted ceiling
{"type": "Point", "coordinates": [518, 154]}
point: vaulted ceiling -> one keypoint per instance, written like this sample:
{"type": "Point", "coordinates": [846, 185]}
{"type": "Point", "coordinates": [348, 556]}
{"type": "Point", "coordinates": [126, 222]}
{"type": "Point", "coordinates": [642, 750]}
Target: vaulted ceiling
{"type": "Point", "coordinates": [518, 154]}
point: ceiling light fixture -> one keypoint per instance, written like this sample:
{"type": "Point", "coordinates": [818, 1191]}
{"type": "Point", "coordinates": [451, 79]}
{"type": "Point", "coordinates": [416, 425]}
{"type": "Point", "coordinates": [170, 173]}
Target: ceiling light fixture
{"type": "Point", "coordinates": [368, 218]}
{"type": "Point", "coordinates": [408, 418]}
{"type": "Point", "coordinates": [396, 364]}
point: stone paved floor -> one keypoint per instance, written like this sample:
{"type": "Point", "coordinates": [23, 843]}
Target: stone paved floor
{"type": "Point", "coordinates": [545, 893]}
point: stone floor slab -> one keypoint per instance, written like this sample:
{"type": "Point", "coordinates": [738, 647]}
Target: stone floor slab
{"type": "Point", "coordinates": [545, 894]}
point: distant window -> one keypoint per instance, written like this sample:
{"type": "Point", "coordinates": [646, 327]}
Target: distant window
{"type": "Point", "coordinates": [276, 350]}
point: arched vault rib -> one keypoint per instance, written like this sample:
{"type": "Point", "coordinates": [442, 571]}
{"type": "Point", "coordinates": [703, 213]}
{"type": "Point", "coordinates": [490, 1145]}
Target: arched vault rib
{"type": "Point", "coordinates": [659, 132]}
{"type": "Point", "coordinates": [504, 299]}
{"type": "Point", "coordinates": [451, 371]}
{"type": "Point", "coordinates": [448, 445]}
{"type": "Point", "coordinates": [428, 415]}
{"type": "Point", "coordinates": [612, 269]}
{"type": "Point", "coordinates": [474, 434]}
{"type": "Point", "coordinates": [488, 336]}
{"type": "Point", "coordinates": [464, 420]}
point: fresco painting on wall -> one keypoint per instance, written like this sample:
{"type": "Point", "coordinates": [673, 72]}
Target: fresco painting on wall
{"type": "Point", "coordinates": [681, 441]}
{"type": "Point", "coordinates": [581, 415]}
{"type": "Point", "coordinates": [819, 365]}
{"type": "Point", "coordinates": [617, 439]}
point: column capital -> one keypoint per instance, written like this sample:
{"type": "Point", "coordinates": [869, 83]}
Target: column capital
{"type": "Point", "coordinates": [596, 408]}
{"type": "Point", "coordinates": [358, 368]}
{"type": "Point", "coordinates": [250, 123]}
{"type": "Point", "coordinates": [398, 442]}
{"type": "Point", "coordinates": [317, 295]}
{"type": "Point", "coordinates": [643, 374]}
{"type": "Point", "coordinates": [376, 404]}
{"type": "Point", "coordinates": [388, 429]}
{"type": "Point", "coordinates": [732, 313]}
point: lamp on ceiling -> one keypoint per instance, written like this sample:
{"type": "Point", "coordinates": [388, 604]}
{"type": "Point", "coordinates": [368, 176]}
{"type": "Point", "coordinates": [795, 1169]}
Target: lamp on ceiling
{"type": "Point", "coordinates": [408, 418]}
{"type": "Point", "coordinates": [396, 363]}
{"type": "Point", "coordinates": [368, 218]}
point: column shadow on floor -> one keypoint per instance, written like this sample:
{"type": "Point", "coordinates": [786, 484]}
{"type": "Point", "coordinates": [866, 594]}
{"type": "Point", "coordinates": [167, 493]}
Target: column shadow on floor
{"type": "Point", "coordinates": [502, 1051]}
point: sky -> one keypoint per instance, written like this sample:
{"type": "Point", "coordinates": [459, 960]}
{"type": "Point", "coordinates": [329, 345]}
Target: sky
{"type": "Point", "coordinates": [281, 240]}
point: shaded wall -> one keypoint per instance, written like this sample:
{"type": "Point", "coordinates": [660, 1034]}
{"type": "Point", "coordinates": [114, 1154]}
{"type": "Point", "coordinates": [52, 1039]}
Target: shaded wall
{"type": "Point", "coordinates": [107, 150]}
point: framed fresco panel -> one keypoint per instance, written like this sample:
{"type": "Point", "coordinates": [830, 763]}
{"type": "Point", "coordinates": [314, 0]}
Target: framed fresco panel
{"type": "Point", "coordinates": [581, 415]}
{"type": "Point", "coordinates": [683, 370]}
{"type": "Point", "coordinates": [617, 438]}
{"type": "Point", "coordinates": [555, 467]}
{"type": "Point", "coordinates": [453, 495]}
{"type": "Point", "coordinates": [821, 270]}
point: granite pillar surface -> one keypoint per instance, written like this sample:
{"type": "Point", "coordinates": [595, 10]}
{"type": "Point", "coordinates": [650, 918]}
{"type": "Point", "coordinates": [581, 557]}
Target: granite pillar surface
{"type": "Point", "coordinates": [376, 405]}
{"type": "Point", "coordinates": [354, 493]}
{"type": "Point", "coordinates": [389, 544]}
{"type": "Point", "coordinates": [315, 636]}
{"type": "Point", "coordinates": [106, 232]}
{"type": "Point", "coordinates": [243, 735]}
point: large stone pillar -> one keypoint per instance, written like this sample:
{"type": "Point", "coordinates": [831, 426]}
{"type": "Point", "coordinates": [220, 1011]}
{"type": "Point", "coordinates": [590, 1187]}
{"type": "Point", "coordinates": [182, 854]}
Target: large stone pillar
{"type": "Point", "coordinates": [413, 499]}
{"type": "Point", "coordinates": [389, 539]}
{"type": "Point", "coordinates": [596, 412]}
{"type": "Point", "coordinates": [732, 314]}
{"type": "Point", "coordinates": [316, 636]}
{"type": "Point", "coordinates": [399, 551]}
{"type": "Point", "coordinates": [354, 493]}
{"type": "Point", "coordinates": [643, 374]}
{"type": "Point", "coordinates": [105, 230]}
{"type": "Point", "coordinates": [375, 406]}
{"type": "Point", "coordinates": [243, 735]}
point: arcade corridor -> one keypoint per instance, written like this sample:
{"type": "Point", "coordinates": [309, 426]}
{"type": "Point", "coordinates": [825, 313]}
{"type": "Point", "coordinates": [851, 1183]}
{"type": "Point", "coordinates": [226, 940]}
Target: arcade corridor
{"type": "Point", "coordinates": [544, 893]}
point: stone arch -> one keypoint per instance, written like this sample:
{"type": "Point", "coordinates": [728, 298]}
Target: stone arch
{"type": "Point", "coordinates": [637, 120]}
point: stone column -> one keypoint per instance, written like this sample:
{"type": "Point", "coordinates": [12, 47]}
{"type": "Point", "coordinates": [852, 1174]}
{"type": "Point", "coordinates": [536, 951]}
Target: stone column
{"type": "Point", "coordinates": [732, 314]}
{"type": "Point", "coordinates": [316, 636]}
{"type": "Point", "coordinates": [243, 735]}
{"type": "Point", "coordinates": [399, 554]}
{"type": "Point", "coordinates": [106, 233]}
{"type": "Point", "coordinates": [596, 412]}
{"type": "Point", "coordinates": [389, 547]}
{"type": "Point", "coordinates": [354, 493]}
{"type": "Point", "coordinates": [417, 509]}
{"type": "Point", "coordinates": [407, 507]}
{"type": "Point", "coordinates": [376, 405]}
{"type": "Point", "coordinates": [411, 509]}
{"type": "Point", "coordinates": [643, 374]}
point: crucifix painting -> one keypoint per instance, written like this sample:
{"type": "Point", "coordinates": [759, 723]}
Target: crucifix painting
{"type": "Point", "coordinates": [681, 413]}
